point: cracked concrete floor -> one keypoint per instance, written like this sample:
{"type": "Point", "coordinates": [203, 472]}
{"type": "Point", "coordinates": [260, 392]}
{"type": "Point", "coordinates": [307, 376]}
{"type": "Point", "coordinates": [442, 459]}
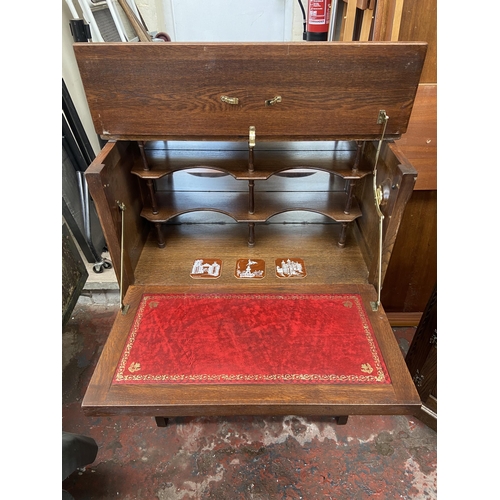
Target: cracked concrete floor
{"type": "Point", "coordinates": [375, 457]}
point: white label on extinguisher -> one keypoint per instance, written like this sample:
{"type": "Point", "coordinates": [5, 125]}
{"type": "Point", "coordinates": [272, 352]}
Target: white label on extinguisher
{"type": "Point", "coordinates": [318, 12]}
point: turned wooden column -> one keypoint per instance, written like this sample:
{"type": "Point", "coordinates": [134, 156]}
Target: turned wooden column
{"type": "Point", "coordinates": [251, 234]}
{"type": "Point", "coordinates": [145, 164]}
{"type": "Point", "coordinates": [349, 189]}
{"type": "Point", "coordinates": [343, 235]}
{"type": "Point", "coordinates": [357, 160]}
{"type": "Point", "coordinates": [251, 197]}
{"type": "Point", "coordinates": [152, 194]}
{"type": "Point", "coordinates": [159, 235]}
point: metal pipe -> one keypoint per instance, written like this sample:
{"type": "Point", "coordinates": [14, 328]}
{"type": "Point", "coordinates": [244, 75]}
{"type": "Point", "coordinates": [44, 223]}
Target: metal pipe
{"type": "Point", "coordinates": [86, 206]}
{"type": "Point", "coordinates": [89, 17]}
{"type": "Point", "coordinates": [72, 9]}
{"type": "Point", "coordinates": [333, 17]}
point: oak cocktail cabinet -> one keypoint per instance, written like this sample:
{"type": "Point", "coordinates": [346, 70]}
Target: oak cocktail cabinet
{"type": "Point", "coordinates": [224, 156]}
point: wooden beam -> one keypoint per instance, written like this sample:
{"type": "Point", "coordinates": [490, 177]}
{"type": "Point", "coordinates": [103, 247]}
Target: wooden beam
{"type": "Point", "coordinates": [349, 21]}
{"type": "Point", "coordinates": [136, 24]}
{"type": "Point", "coordinates": [396, 19]}
{"type": "Point", "coordinates": [366, 25]}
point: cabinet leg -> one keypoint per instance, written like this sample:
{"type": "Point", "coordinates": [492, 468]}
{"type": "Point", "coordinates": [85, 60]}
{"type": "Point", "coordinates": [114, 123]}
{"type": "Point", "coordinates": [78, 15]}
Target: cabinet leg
{"type": "Point", "coordinates": [341, 420]}
{"type": "Point", "coordinates": [159, 235]}
{"type": "Point", "coordinates": [343, 234]}
{"type": "Point", "coordinates": [251, 234]}
{"type": "Point", "coordinates": [161, 421]}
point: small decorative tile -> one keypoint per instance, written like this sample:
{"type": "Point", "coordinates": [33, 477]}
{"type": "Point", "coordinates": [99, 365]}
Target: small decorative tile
{"type": "Point", "coordinates": [250, 269]}
{"type": "Point", "coordinates": [206, 269]}
{"type": "Point", "coordinates": [290, 268]}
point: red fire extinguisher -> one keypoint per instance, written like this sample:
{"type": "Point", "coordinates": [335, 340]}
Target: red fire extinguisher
{"type": "Point", "coordinates": [318, 19]}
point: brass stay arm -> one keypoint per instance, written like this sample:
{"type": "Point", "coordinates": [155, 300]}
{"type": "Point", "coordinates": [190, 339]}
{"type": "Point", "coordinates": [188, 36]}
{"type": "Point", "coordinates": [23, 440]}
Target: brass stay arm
{"type": "Point", "coordinates": [122, 207]}
{"type": "Point", "coordinates": [377, 192]}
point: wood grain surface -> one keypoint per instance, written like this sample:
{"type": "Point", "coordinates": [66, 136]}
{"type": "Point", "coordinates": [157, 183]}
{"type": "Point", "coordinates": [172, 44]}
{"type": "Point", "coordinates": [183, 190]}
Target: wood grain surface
{"type": "Point", "coordinates": [419, 144]}
{"type": "Point", "coordinates": [328, 90]}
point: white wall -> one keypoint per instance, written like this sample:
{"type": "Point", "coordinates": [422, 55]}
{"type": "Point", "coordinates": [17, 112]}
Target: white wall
{"type": "Point", "coordinates": [224, 20]}
{"type": "Point", "coordinates": [232, 20]}
{"type": "Point", "coordinates": [155, 14]}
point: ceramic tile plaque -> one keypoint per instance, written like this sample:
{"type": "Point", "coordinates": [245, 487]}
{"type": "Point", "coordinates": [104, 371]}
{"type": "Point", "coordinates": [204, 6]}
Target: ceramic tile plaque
{"type": "Point", "coordinates": [253, 269]}
{"type": "Point", "coordinates": [290, 268]}
{"type": "Point", "coordinates": [206, 268]}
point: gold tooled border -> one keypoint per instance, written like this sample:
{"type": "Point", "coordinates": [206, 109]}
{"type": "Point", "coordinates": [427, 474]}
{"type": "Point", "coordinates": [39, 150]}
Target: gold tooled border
{"type": "Point", "coordinates": [379, 377]}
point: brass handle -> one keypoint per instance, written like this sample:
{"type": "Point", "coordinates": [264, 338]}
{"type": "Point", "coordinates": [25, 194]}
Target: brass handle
{"type": "Point", "coordinates": [270, 102]}
{"type": "Point", "coordinates": [229, 100]}
{"type": "Point", "coordinates": [251, 136]}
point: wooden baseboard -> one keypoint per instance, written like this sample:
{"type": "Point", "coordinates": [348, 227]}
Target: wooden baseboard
{"type": "Point", "coordinates": [404, 319]}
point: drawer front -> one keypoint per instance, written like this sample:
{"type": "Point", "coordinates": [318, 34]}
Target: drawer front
{"type": "Point", "coordinates": [299, 90]}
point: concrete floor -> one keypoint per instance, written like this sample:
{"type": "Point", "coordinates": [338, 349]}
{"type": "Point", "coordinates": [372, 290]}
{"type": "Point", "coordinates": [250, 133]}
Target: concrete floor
{"type": "Point", "coordinates": [375, 457]}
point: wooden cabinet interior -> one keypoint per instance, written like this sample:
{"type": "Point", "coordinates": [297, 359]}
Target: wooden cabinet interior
{"type": "Point", "coordinates": [119, 166]}
{"type": "Point", "coordinates": [182, 175]}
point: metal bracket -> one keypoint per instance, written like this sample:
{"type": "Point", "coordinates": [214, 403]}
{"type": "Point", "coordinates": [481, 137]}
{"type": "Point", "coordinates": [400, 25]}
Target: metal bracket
{"type": "Point", "coordinates": [382, 117]}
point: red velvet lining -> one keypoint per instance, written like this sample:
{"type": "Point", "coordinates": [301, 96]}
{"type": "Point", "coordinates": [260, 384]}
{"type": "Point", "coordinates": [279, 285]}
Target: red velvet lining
{"type": "Point", "coordinates": [251, 339]}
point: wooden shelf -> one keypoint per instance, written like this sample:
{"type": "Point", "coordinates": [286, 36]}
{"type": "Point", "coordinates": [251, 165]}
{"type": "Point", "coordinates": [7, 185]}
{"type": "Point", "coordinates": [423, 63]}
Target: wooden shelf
{"type": "Point", "coordinates": [267, 205]}
{"type": "Point", "coordinates": [250, 185]}
{"type": "Point", "coordinates": [315, 243]}
{"type": "Point", "coordinates": [267, 162]}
